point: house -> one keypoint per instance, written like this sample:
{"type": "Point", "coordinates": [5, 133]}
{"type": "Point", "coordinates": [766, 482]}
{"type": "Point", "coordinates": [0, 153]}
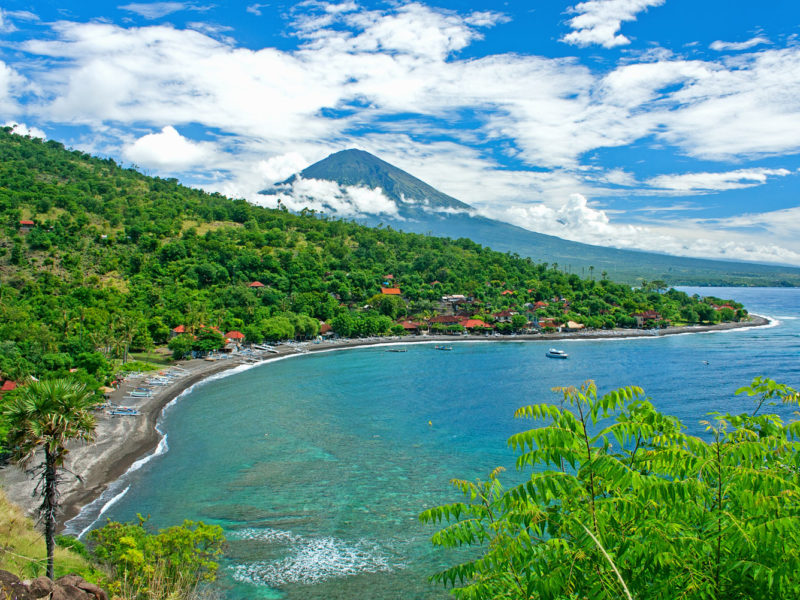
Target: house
{"type": "Point", "coordinates": [235, 336]}
{"type": "Point", "coordinates": [8, 386]}
{"type": "Point", "coordinates": [507, 292]}
{"type": "Point", "coordinates": [412, 327]}
{"type": "Point", "coordinates": [325, 329]}
{"type": "Point", "coordinates": [176, 331]}
{"type": "Point", "coordinates": [547, 323]}
{"type": "Point", "coordinates": [504, 316]}
{"type": "Point", "coordinates": [646, 317]}
{"type": "Point", "coordinates": [444, 320]}
{"type": "Point", "coordinates": [25, 226]}
{"type": "Point", "coordinates": [390, 291]}
{"type": "Point", "coordinates": [256, 284]}
{"type": "Point", "coordinates": [474, 324]}
{"type": "Point", "coordinates": [540, 304]}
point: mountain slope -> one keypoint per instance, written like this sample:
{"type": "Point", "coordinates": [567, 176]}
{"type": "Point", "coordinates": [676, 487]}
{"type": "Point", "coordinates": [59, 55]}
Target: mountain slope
{"type": "Point", "coordinates": [424, 209]}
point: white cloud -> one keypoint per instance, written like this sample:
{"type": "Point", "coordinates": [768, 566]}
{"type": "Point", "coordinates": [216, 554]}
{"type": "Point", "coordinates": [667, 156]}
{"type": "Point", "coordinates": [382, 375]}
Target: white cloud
{"type": "Point", "coordinates": [6, 26]}
{"type": "Point", "coordinates": [11, 85]}
{"type": "Point", "coordinates": [156, 10]}
{"type": "Point", "coordinates": [391, 81]}
{"type": "Point", "coordinates": [255, 9]}
{"type": "Point", "coordinates": [330, 198]}
{"type": "Point", "coordinates": [168, 150]}
{"type": "Point", "coordinates": [23, 129]}
{"type": "Point", "coordinates": [693, 183]}
{"type": "Point", "coordinates": [737, 46]}
{"type": "Point", "coordinates": [599, 21]}
{"type": "Point", "coordinates": [576, 220]}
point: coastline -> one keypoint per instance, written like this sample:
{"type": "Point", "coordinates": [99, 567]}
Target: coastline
{"type": "Point", "coordinates": [122, 441]}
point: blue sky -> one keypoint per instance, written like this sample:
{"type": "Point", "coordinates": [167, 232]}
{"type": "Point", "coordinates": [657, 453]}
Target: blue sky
{"type": "Point", "coordinates": [666, 125]}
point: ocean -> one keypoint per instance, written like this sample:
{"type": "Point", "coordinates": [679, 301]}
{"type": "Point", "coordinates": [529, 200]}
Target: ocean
{"type": "Point", "coordinates": [318, 466]}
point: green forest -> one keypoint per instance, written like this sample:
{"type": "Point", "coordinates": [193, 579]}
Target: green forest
{"type": "Point", "coordinates": [97, 261]}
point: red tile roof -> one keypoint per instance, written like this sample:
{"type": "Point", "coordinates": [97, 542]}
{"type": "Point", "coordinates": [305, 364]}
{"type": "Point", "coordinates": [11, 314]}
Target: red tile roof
{"type": "Point", "coordinates": [507, 292]}
{"type": "Point", "coordinates": [26, 222]}
{"type": "Point", "coordinates": [8, 386]}
{"type": "Point", "coordinates": [179, 329]}
{"type": "Point", "coordinates": [540, 304]}
{"type": "Point", "coordinates": [256, 284]}
{"type": "Point", "coordinates": [444, 319]}
{"type": "Point", "coordinates": [410, 325]}
{"type": "Point", "coordinates": [388, 276]}
{"type": "Point", "coordinates": [234, 335]}
{"type": "Point", "coordinates": [473, 323]}
{"type": "Point", "coordinates": [325, 328]}
{"type": "Point", "coordinates": [390, 291]}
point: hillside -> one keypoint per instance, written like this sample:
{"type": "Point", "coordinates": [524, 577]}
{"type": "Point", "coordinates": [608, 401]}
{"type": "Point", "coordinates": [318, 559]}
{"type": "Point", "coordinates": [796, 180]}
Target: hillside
{"type": "Point", "coordinates": [97, 261]}
{"type": "Point", "coordinates": [424, 209]}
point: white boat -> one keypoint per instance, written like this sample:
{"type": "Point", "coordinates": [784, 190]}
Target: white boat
{"type": "Point", "coordinates": [553, 353]}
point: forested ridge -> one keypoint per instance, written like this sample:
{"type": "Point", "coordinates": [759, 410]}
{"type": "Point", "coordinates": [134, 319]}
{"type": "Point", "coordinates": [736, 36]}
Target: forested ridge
{"type": "Point", "coordinates": [97, 260]}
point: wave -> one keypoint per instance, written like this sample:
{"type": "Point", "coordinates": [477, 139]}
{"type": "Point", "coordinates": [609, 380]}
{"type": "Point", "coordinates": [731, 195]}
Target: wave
{"type": "Point", "coordinates": [311, 559]}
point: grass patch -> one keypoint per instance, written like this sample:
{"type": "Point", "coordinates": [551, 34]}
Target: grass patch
{"type": "Point", "coordinates": [155, 360]}
{"type": "Point", "coordinates": [22, 548]}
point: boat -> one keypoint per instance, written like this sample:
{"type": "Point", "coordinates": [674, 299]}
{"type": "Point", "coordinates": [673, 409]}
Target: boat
{"type": "Point", "coordinates": [554, 353]}
{"type": "Point", "coordinates": [397, 350]}
{"type": "Point", "coordinates": [444, 347]}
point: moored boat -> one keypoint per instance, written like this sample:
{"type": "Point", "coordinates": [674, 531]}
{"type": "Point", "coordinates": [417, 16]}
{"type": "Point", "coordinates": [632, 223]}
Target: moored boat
{"type": "Point", "coordinates": [554, 353]}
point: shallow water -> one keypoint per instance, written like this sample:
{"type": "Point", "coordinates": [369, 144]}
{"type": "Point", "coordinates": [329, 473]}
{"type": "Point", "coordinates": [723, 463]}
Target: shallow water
{"type": "Point", "coordinates": [317, 467]}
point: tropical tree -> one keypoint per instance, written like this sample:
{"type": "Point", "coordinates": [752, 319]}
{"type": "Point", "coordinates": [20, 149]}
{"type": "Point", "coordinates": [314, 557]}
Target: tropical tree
{"type": "Point", "coordinates": [622, 502]}
{"type": "Point", "coordinates": [46, 415]}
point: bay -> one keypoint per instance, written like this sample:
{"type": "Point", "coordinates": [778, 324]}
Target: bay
{"type": "Point", "coordinates": [317, 467]}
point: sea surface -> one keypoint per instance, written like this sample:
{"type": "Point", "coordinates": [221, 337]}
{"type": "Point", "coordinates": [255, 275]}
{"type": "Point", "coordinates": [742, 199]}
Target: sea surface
{"type": "Point", "coordinates": [318, 466]}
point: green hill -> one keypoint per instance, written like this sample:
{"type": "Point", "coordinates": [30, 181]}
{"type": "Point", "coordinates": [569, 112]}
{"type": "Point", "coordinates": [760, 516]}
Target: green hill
{"type": "Point", "coordinates": [424, 209]}
{"type": "Point", "coordinates": [97, 261]}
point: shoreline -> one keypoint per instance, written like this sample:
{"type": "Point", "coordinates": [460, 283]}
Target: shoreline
{"type": "Point", "coordinates": [122, 441]}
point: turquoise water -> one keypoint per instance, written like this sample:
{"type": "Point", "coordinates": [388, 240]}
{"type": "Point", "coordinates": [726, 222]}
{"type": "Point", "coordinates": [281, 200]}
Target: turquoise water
{"type": "Point", "coordinates": [318, 466]}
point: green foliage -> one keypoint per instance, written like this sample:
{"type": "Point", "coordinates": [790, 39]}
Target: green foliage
{"type": "Point", "coordinates": [172, 561]}
{"type": "Point", "coordinates": [120, 259]}
{"type": "Point", "coordinates": [622, 502]}
{"type": "Point", "coordinates": [180, 345]}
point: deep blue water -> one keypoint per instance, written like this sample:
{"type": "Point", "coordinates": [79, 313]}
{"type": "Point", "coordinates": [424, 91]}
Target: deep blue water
{"type": "Point", "coordinates": [318, 466]}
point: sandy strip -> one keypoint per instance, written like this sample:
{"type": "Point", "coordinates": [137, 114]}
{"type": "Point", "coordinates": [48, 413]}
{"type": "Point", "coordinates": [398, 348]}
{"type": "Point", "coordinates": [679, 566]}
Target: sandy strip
{"type": "Point", "coordinates": [120, 441]}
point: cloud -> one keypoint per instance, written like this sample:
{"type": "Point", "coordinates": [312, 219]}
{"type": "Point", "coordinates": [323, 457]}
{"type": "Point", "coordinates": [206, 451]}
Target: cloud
{"type": "Point", "coordinates": [330, 198]}
{"type": "Point", "coordinates": [576, 220]}
{"type": "Point", "coordinates": [168, 150]}
{"type": "Point", "coordinates": [736, 46]}
{"type": "Point", "coordinates": [599, 21]}
{"type": "Point", "coordinates": [12, 85]}
{"type": "Point", "coordinates": [392, 82]}
{"type": "Point", "coordinates": [699, 183]}
{"type": "Point", "coordinates": [23, 129]}
{"type": "Point", "coordinates": [156, 10]}
{"type": "Point", "coordinates": [255, 9]}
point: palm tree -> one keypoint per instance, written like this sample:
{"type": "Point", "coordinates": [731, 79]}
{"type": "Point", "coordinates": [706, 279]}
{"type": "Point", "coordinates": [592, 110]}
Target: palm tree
{"type": "Point", "coordinates": [47, 414]}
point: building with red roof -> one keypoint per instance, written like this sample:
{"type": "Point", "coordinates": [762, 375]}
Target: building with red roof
{"type": "Point", "coordinates": [474, 324]}
{"type": "Point", "coordinates": [393, 291]}
{"type": "Point", "coordinates": [256, 284]}
{"type": "Point", "coordinates": [8, 386]}
{"type": "Point", "coordinates": [235, 335]}
{"type": "Point", "coordinates": [26, 225]}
